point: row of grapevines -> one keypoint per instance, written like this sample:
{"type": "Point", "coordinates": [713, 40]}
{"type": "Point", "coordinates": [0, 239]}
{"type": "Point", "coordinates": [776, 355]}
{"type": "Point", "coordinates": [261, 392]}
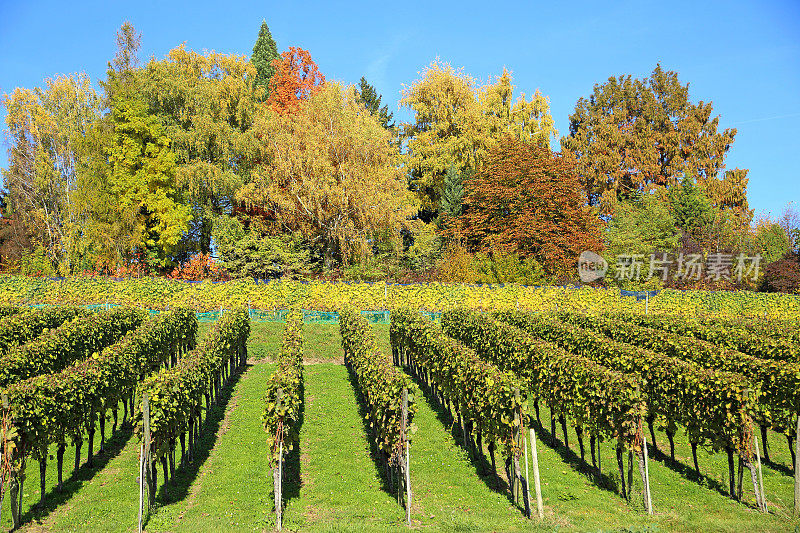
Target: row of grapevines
{"type": "Point", "coordinates": [380, 382]}
{"type": "Point", "coordinates": [24, 326]}
{"type": "Point", "coordinates": [787, 327]}
{"type": "Point", "coordinates": [711, 405]}
{"type": "Point", "coordinates": [175, 394]}
{"type": "Point", "coordinates": [606, 402]}
{"type": "Point", "coordinates": [776, 384]}
{"type": "Point", "coordinates": [282, 411]}
{"type": "Point", "coordinates": [729, 334]}
{"type": "Point", "coordinates": [487, 398]}
{"type": "Point", "coordinates": [72, 341]}
{"type": "Point", "coordinates": [65, 406]}
{"type": "Point", "coordinates": [9, 310]}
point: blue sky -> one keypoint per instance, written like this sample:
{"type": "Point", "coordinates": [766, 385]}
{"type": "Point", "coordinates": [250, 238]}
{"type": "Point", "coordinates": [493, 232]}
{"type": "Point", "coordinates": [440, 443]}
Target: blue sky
{"type": "Point", "coordinates": [743, 56]}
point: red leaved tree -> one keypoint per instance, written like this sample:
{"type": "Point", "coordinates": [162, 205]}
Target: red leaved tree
{"type": "Point", "coordinates": [527, 200]}
{"type": "Point", "coordinates": [296, 78]}
{"type": "Point", "coordinates": [197, 268]}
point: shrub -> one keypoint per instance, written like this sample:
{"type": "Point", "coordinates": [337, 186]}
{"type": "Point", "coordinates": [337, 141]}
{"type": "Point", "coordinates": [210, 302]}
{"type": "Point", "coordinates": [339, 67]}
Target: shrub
{"type": "Point", "coordinates": [35, 263]}
{"type": "Point", "coordinates": [783, 275]}
{"type": "Point", "coordinates": [197, 268]}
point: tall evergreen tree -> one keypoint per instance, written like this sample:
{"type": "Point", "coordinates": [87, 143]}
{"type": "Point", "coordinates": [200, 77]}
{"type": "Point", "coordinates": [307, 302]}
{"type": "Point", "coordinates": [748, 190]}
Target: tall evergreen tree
{"type": "Point", "coordinates": [368, 96]}
{"type": "Point", "coordinates": [453, 192]}
{"type": "Point", "coordinates": [264, 52]}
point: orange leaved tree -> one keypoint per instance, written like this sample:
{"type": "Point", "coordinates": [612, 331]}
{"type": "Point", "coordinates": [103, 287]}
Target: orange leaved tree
{"type": "Point", "coordinates": [527, 200]}
{"type": "Point", "coordinates": [296, 78]}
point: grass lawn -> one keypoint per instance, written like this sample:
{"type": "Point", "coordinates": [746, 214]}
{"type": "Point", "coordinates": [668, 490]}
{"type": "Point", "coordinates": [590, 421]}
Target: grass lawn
{"type": "Point", "coordinates": [332, 483]}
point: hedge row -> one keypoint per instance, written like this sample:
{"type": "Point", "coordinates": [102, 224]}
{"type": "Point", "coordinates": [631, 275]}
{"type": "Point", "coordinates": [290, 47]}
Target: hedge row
{"type": "Point", "coordinates": [380, 382]}
{"type": "Point", "coordinates": [282, 415]}
{"type": "Point", "coordinates": [19, 328]}
{"type": "Point", "coordinates": [175, 394]}
{"type": "Point", "coordinates": [605, 402]}
{"type": "Point", "coordinates": [70, 342]}
{"type": "Point", "coordinates": [711, 405]}
{"type": "Point", "coordinates": [484, 396]}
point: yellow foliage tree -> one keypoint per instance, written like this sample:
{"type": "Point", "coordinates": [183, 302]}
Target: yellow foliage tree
{"type": "Point", "coordinates": [207, 103]}
{"type": "Point", "coordinates": [45, 129]}
{"type": "Point", "coordinates": [457, 121]}
{"type": "Point", "coordinates": [330, 173]}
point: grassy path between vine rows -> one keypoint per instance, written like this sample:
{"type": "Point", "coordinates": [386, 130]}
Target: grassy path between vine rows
{"type": "Point", "coordinates": [340, 489]}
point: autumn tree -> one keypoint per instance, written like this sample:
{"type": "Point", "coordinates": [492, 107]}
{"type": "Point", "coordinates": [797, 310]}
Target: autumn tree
{"type": "Point", "coordinates": [265, 52]}
{"type": "Point", "coordinates": [138, 204]}
{"type": "Point", "coordinates": [121, 75]}
{"type": "Point", "coordinates": [632, 135]}
{"type": "Point", "coordinates": [45, 127]}
{"type": "Point", "coordinates": [369, 97]}
{"type": "Point", "coordinates": [295, 79]}
{"type": "Point", "coordinates": [790, 222]}
{"type": "Point", "coordinates": [457, 122]}
{"type": "Point", "coordinates": [332, 176]}
{"type": "Point", "coordinates": [770, 240]}
{"type": "Point", "coordinates": [143, 182]}
{"type": "Point", "coordinates": [783, 275]}
{"type": "Point", "coordinates": [207, 104]}
{"type": "Point", "coordinates": [527, 200]}
{"type": "Point", "coordinates": [640, 226]}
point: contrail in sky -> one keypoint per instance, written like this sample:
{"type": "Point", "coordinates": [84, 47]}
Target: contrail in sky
{"type": "Point", "coordinates": [788, 115]}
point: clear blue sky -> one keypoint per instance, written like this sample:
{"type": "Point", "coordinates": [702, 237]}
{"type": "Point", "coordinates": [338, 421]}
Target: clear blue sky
{"type": "Point", "coordinates": [743, 56]}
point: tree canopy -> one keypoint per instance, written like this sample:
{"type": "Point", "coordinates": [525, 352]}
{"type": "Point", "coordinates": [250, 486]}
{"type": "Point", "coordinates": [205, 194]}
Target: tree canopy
{"type": "Point", "coordinates": [456, 123]}
{"type": "Point", "coordinates": [264, 164]}
{"type": "Point", "coordinates": [207, 104]}
{"type": "Point", "coordinates": [295, 79]}
{"type": "Point", "coordinates": [526, 200]}
{"type": "Point", "coordinates": [631, 135]}
{"type": "Point", "coordinates": [332, 175]}
{"type": "Point", "coordinates": [369, 97]}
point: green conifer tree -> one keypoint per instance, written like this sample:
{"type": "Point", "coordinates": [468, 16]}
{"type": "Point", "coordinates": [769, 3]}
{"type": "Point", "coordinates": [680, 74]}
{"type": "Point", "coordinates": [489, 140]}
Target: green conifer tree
{"type": "Point", "coordinates": [453, 192]}
{"type": "Point", "coordinates": [368, 96]}
{"type": "Point", "coordinates": [264, 52]}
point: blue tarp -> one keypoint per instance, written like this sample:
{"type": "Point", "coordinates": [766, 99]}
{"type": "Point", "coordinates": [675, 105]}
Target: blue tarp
{"type": "Point", "coordinates": [639, 295]}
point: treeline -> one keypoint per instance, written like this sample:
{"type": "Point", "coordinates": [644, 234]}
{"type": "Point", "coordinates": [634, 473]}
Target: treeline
{"type": "Point", "coordinates": [275, 171]}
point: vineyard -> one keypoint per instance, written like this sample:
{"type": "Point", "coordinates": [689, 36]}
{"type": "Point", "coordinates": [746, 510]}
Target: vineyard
{"type": "Point", "coordinates": [161, 293]}
{"type": "Point", "coordinates": [559, 408]}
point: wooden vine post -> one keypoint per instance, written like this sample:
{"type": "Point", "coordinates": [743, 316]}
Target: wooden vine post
{"type": "Point", "coordinates": [760, 478]}
{"type": "Point", "coordinates": [536, 481]}
{"type": "Point", "coordinates": [797, 469]}
{"type": "Point", "coordinates": [145, 462]}
{"type": "Point", "coordinates": [746, 459]}
{"type": "Point", "coordinates": [277, 470]}
{"type": "Point", "coordinates": [648, 502]}
{"type": "Point", "coordinates": [5, 458]}
{"type": "Point", "coordinates": [519, 440]}
{"type": "Point", "coordinates": [644, 470]}
{"type": "Point", "coordinates": [406, 459]}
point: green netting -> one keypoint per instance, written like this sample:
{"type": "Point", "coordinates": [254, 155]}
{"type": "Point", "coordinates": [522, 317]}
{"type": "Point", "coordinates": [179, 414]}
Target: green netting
{"type": "Point", "coordinates": [278, 315]}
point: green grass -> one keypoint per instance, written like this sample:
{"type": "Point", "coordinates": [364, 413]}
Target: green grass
{"type": "Point", "coordinates": [332, 483]}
